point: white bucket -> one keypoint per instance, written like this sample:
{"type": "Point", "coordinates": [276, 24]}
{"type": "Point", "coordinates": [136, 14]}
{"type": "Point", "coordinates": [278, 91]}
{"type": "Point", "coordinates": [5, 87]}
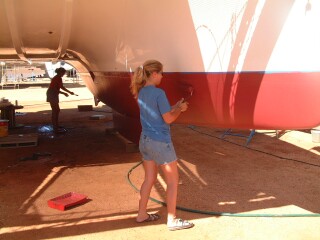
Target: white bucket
{"type": "Point", "coordinates": [4, 127]}
{"type": "Point", "coordinates": [315, 135]}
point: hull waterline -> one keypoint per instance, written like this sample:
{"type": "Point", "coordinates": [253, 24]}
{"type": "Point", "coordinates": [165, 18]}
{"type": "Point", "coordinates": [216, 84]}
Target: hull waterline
{"type": "Point", "coordinates": [250, 100]}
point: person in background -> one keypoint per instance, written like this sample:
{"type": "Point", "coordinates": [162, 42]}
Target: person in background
{"type": "Point", "coordinates": [53, 97]}
{"type": "Point", "coordinates": [155, 143]}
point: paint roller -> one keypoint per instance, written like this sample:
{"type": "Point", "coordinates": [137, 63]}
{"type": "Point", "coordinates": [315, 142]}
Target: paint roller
{"type": "Point", "coordinates": [187, 91]}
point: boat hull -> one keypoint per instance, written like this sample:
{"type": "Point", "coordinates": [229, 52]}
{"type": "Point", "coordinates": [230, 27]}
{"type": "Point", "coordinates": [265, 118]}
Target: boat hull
{"type": "Point", "coordinates": [250, 64]}
{"type": "Point", "coordinates": [246, 100]}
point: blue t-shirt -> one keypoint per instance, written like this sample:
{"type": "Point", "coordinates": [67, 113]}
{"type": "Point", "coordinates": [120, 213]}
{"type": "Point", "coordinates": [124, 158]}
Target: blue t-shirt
{"type": "Point", "coordinates": [153, 103]}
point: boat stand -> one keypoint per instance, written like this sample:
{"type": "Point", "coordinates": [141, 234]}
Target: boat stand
{"type": "Point", "coordinates": [229, 132]}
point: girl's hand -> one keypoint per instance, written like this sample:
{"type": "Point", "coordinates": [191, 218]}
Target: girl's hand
{"type": "Point", "coordinates": [182, 105]}
{"type": "Point", "coordinates": [66, 94]}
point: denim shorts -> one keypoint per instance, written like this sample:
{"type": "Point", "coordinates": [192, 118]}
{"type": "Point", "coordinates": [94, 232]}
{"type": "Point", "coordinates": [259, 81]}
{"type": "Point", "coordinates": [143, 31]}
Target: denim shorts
{"type": "Point", "coordinates": [160, 152]}
{"type": "Point", "coordinates": [52, 95]}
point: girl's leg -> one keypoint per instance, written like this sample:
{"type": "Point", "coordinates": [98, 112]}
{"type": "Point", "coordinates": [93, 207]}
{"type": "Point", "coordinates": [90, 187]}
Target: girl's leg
{"type": "Point", "coordinates": [151, 171]}
{"type": "Point", "coordinates": [172, 178]}
{"type": "Point", "coordinates": [55, 115]}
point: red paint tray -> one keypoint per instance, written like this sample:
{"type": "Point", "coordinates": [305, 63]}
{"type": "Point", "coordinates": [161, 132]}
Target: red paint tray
{"type": "Point", "coordinates": [67, 200]}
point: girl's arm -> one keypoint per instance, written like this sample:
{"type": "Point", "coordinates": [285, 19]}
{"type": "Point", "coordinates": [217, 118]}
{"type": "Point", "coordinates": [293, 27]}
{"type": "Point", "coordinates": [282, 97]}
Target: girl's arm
{"type": "Point", "coordinates": [66, 90]}
{"type": "Point", "coordinates": [175, 112]}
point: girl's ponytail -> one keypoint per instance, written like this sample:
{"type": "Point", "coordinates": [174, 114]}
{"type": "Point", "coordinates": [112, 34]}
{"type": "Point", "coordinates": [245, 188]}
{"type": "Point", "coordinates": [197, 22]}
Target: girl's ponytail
{"type": "Point", "coordinates": [142, 74]}
{"type": "Point", "coordinates": [138, 81]}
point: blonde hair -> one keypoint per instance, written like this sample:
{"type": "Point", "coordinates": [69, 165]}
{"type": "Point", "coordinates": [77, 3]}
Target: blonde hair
{"type": "Point", "coordinates": [142, 74]}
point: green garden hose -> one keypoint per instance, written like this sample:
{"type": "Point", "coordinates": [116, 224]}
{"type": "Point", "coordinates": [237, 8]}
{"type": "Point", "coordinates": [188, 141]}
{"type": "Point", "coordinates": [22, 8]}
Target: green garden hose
{"type": "Point", "coordinates": [219, 213]}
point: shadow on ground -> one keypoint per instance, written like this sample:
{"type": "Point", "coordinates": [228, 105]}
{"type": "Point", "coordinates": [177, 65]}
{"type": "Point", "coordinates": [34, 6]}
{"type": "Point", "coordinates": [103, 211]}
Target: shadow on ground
{"type": "Point", "coordinates": [216, 176]}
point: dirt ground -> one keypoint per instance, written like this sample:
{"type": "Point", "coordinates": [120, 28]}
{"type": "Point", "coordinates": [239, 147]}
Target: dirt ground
{"type": "Point", "coordinates": [272, 176]}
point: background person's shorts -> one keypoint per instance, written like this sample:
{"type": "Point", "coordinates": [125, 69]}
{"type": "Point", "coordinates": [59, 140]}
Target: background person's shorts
{"type": "Point", "coordinates": [160, 152]}
{"type": "Point", "coordinates": [52, 95]}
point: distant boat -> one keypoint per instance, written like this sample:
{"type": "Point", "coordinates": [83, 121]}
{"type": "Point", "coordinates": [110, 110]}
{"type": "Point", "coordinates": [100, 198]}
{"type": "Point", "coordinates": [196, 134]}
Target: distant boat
{"type": "Point", "coordinates": [250, 64]}
{"type": "Point", "coordinates": [19, 73]}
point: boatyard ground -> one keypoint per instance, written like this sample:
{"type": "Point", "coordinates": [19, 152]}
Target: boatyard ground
{"type": "Point", "coordinates": [272, 176]}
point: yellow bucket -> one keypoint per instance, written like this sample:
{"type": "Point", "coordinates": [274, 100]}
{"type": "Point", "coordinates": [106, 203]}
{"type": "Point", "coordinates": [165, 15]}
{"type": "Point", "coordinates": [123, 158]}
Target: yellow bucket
{"type": "Point", "coordinates": [3, 128]}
